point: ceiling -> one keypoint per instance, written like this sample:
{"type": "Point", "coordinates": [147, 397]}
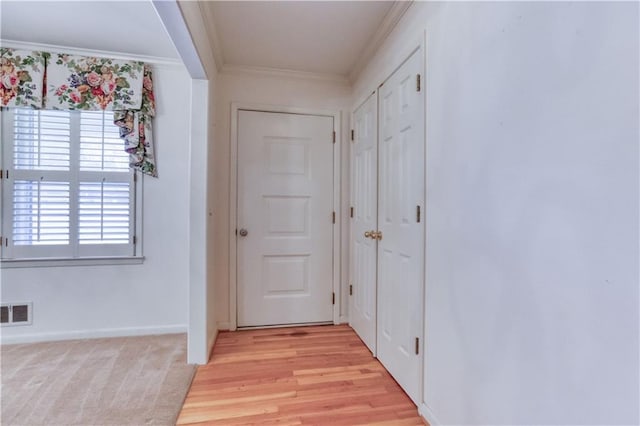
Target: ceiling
{"type": "Point", "coordinates": [327, 38]}
{"type": "Point", "coordinates": [130, 27]}
{"type": "Point", "coordinates": [323, 37]}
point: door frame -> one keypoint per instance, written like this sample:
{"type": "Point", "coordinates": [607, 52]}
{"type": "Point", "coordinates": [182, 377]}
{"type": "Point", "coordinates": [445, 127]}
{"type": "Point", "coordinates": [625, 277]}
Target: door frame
{"type": "Point", "coordinates": [236, 107]}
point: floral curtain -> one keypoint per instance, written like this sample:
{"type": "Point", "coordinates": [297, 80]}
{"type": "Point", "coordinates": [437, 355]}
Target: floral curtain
{"type": "Point", "coordinates": [67, 82]}
{"type": "Point", "coordinates": [126, 87]}
{"type": "Point", "coordinates": [22, 78]}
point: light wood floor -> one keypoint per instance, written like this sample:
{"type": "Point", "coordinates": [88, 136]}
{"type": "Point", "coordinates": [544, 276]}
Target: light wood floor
{"type": "Point", "coordinates": [322, 375]}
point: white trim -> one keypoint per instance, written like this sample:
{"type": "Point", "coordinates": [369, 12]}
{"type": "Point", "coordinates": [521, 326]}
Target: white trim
{"type": "Point", "coordinates": [197, 352]}
{"type": "Point", "coordinates": [224, 326]}
{"type": "Point", "coordinates": [297, 324]}
{"type": "Point", "coordinates": [337, 226]}
{"type": "Point", "coordinates": [233, 219]}
{"type": "Point", "coordinates": [80, 261]}
{"type": "Point", "coordinates": [51, 48]}
{"type": "Point", "coordinates": [391, 19]}
{"type": "Point", "coordinates": [344, 319]}
{"type": "Point", "coordinates": [427, 414]}
{"type": "Point", "coordinates": [424, 409]}
{"type": "Point", "coordinates": [233, 200]}
{"type": "Point", "coordinates": [283, 73]}
{"type": "Point", "coordinates": [211, 342]}
{"type": "Point", "coordinates": [93, 334]}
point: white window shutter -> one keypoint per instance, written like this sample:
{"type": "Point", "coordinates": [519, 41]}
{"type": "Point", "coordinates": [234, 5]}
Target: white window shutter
{"type": "Point", "coordinates": [71, 192]}
{"type": "Point", "coordinates": [40, 213]}
{"type": "Point", "coordinates": [42, 140]}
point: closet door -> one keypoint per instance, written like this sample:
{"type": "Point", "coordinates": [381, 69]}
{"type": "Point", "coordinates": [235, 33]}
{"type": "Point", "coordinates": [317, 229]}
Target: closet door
{"type": "Point", "coordinates": [400, 210]}
{"type": "Point", "coordinates": [364, 202]}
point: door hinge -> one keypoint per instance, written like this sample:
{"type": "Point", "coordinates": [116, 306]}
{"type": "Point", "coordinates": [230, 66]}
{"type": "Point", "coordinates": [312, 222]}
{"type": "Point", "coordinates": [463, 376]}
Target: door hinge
{"type": "Point", "coordinates": [351, 212]}
{"type": "Point", "coordinates": [417, 345]}
{"type": "Point", "coordinates": [418, 214]}
{"type": "Point", "coordinates": [353, 135]}
{"type": "Point", "coordinates": [1, 173]}
{"type": "Point", "coordinates": [334, 217]}
{"type": "Point", "coordinates": [418, 82]}
{"type": "Point", "coordinates": [135, 177]}
{"type": "Point", "coordinates": [333, 298]}
{"type": "Point", "coordinates": [135, 240]}
{"type": "Point", "coordinates": [350, 289]}
{"type": "Point", "coordinates": [334, 136]}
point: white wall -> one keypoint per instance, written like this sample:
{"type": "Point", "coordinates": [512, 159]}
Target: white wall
{"type": "Point", "coordinates": [270, 90]}
{"type": "Point", "coordinates": [189, 32]}
{"type": "Point", "coordinates": [86, 301]}
{"type": "Point", "coordinates": [532, 209]}
{"type": "Point", "coordinates": [212, 322]}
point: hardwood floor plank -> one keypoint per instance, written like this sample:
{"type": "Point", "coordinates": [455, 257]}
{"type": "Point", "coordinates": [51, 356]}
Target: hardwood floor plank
{"type": "Point", "coordinates": [321, 375]}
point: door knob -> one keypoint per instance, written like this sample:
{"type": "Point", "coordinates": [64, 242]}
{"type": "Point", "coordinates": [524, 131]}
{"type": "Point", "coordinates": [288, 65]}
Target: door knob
{"type": "Point", "coordinates": [367, 234]}
{"type": "Point", "coordinates": [376, 235]}
{"type": "Point", "coordinates": [243, 232]}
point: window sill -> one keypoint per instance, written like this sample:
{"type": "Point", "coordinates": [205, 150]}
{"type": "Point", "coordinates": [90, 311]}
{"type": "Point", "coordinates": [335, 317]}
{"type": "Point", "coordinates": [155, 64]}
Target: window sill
{"type": "Point", "coordinates": [84, 261]}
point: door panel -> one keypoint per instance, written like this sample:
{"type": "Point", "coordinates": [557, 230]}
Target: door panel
{"type": "Point", "coordinates": [364, 189]}
{"type": "Point", "coordinates": [401, 249]}
{"type": "Point", "coordinates": [285, 200]}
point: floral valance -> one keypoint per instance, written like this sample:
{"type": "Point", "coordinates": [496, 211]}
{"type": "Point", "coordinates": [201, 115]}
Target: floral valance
{"type": "Point", "coordinates": [22, 76]}
{"type": "Point", "coordinates": [68, 82]}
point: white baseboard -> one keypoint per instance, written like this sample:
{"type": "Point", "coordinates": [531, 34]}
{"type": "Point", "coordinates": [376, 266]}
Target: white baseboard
{"type": "Point", "coordinates": [225, 326]}
{"type": "Point", "coordinates": [428, 415]}
{"type": "Point", "coordinates": [210, 343]}
{"type": "Point", "coordinates": [92, 334]}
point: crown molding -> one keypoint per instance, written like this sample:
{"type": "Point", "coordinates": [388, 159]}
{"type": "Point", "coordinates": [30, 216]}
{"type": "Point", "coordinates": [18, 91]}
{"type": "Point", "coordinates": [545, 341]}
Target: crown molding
{"type": "Point", "coordinates": [284, 73]}
{"type": "Point", "coordinates": [212, 33]}
{"type": "Point", "coordinates": [52, 48]}
{"type": "Point", "coordinates": [391, 19]}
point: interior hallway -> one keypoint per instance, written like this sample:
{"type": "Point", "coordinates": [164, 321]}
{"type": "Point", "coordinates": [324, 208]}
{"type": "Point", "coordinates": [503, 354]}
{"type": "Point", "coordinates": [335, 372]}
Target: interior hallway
{"type": "Point", "coordinates": [321, 375]}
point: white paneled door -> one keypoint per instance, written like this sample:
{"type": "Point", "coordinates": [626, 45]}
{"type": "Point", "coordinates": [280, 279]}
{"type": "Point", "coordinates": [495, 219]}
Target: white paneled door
{"type": "Point", "coordinates": [364, 213]}
{"type": "Point", "coordinates": [284, 218]}
{"type": "Point", "coordinates": [401, 226]}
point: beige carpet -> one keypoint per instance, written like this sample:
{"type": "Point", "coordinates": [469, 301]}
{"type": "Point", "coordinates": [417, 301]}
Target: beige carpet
{"type": "Point", "coordinates": [117, 381]}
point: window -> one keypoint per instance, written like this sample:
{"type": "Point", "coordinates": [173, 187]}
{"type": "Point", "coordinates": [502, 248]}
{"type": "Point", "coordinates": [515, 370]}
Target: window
{"type": "Point", "coordinates": [67, 189]}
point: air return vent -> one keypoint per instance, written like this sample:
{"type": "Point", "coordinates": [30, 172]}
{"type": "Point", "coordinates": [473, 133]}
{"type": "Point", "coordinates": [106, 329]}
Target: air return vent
{"type": "Point", "coordinates": [16, 314]}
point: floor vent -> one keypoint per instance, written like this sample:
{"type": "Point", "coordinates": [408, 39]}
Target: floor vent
{"type": "Point", "coordinates": [16, 314]}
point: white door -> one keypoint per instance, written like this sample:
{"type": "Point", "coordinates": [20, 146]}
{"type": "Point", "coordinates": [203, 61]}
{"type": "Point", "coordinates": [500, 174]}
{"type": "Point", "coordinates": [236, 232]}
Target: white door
{"type": "Point", "coordinates": [400, 210]}
{"type": "Point", "coordinates": [285, 226]}
{"type": "Point", "coordinates": [364, 214]}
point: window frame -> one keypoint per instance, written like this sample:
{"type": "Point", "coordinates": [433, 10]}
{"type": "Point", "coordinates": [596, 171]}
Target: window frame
{"type": "Point", "coordinates": [74, 253]}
